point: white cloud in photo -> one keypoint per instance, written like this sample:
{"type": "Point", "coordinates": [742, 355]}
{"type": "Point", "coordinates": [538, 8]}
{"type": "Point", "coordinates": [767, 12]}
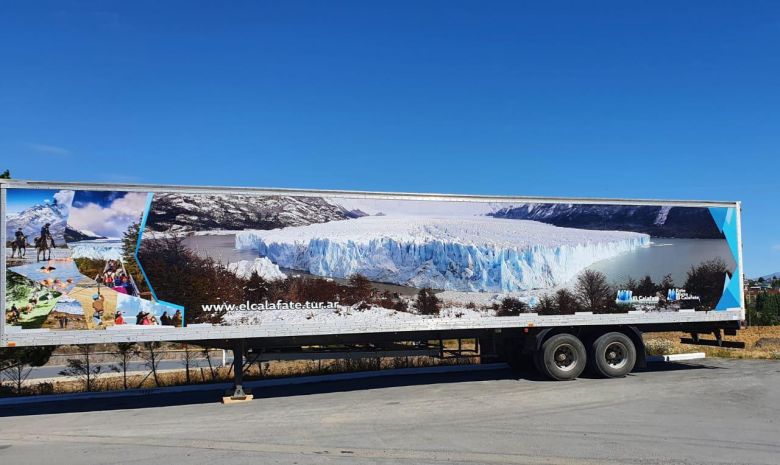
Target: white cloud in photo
{"type": "Point", "coordinates": [110, 221]}
{"type": "Point", "coordinates": [64, 200]}
{"type": "Point", "coordinates": [48, 149]}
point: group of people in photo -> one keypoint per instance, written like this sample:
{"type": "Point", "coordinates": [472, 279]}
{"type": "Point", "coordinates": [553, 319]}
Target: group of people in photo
{"type": "Point", "coordinates": [15, 313]}
{"type": "Point", "coordinates": [144, 318]}
{"type": "Point", "coordinates": [115, 277]}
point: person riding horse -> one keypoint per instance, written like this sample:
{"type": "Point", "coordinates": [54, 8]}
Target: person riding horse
{"type": "Point", "coordinates": [46, 237]}
{"type": "Point", "coordinates": [19, 243]}
{"type": "Point", "coordinates": [44, 243]}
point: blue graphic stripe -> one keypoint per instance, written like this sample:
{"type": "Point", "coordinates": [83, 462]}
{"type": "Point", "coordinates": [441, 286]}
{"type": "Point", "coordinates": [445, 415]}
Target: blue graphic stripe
{"type": "Point", "coordinates": [141, 228]}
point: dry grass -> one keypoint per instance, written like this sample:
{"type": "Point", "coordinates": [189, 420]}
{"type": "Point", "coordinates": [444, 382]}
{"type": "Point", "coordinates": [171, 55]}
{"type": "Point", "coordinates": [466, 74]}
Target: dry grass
{"type": "Point", "coordinates": [669, 343]}
{"type": "Point", "coordinates": [265, 370]}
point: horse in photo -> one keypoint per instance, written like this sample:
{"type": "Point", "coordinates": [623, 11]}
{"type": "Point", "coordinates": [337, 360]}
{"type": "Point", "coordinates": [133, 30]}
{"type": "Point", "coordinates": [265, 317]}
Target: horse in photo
{"type": "Point", "coordinates": [43, 246]}
{"type": "Point", "coordinates": [19, 243]}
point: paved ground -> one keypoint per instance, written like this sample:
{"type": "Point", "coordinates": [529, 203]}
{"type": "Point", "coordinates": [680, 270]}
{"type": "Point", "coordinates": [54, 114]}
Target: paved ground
{"type": "Point", "coordinates": [711, 411]}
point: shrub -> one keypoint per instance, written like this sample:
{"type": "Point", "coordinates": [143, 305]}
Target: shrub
{"type": "Point", "coordinates": [592, 290]}
{"type": "Point", "coordinates": [511, 306]}
{"type": "Point", "coordinates": [566, 302]}
{"type": "Point", "coordinates": [706, 281]}
{"type": "Point", "coordinates": [427, 303]}
{"type": "Point", "coordinates": [659, 347]}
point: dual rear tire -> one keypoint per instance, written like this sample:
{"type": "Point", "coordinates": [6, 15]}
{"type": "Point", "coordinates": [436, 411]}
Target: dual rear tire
{"type": "Point", "coordinates": [613, 355]}
{"type": "Point", "coordinates": [564, 357]}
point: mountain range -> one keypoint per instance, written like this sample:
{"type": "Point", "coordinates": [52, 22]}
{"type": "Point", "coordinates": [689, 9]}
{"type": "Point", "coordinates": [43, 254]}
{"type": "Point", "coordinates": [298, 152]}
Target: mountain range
{"type": "Point", "coordinates": [657, 221]}
{"type": "Point", "coordinates": [33, 218]}
{"type": "Point", "coordinates": [772, 276]}
{"type": "Point", "coordinates": [175, 212]}
{"type": "Point", "coordinates": [75, 235]}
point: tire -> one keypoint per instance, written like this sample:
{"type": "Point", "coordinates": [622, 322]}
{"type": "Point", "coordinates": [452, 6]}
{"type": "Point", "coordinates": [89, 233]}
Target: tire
{"type": "Point", "coordinates": [613, 355]}
{"type": "Point", "coordinates": [563, 357]}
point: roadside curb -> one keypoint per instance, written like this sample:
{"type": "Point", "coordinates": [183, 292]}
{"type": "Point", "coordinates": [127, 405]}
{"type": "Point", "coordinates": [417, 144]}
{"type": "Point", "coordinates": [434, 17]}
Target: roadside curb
{"type": "Point", "coordinates": [676, 357]}
{"type": "Point", "coordinates": [253, 384]}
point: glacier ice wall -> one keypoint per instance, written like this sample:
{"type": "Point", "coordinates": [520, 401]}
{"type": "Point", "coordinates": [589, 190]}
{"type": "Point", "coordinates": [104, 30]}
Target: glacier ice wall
{"type": "Point", "coordinates": [97, 249]}
{"type": "Point", "coordinates": [463, 254]}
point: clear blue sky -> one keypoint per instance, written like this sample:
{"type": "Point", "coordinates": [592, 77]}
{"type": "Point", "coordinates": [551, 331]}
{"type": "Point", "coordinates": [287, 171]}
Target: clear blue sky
{"type": "Point", "coordinates": [630, 99]}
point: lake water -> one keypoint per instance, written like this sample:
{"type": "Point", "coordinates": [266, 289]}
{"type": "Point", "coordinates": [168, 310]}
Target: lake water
{"type": "Point", "coordinates": [662, 257]}
{"type": "Point", "coordinates": [220, 248]}
{"type": "Point", "coordinates": [665, 256]}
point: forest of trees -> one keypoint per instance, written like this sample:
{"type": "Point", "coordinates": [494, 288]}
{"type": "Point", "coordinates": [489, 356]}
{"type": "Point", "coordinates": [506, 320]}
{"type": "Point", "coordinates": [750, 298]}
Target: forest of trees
{"type": "Point", "coordinates": [765, 311]}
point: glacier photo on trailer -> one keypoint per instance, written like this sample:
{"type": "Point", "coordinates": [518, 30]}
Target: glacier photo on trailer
{"type": "Point", "coordinates": [379, 258]}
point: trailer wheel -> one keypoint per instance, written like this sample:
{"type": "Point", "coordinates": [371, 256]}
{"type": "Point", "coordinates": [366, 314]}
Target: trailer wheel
{"type": "Point", "coordinates": [613, 355]}
{"type": "Point", "coordinates": [563, 357]}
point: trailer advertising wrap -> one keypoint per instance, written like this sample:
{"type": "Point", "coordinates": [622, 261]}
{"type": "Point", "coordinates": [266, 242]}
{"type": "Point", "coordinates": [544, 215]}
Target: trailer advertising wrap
{"type": "Point", "coordinates": [125, 260]}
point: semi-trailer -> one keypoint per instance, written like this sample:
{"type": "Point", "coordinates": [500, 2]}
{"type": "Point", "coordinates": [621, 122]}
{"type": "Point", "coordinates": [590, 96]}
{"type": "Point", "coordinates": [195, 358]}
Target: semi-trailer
{"type": "Point", "coordinates": [567, 283]}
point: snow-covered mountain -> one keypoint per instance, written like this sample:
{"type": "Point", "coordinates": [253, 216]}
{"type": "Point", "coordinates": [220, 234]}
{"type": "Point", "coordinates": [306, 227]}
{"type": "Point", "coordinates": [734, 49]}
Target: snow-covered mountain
{"type": "Point", "coordinates": [32, 219]}
{"type": "Point", "coordinates": [76, 235]}
{"type": "Point", "coordinates": [177, 212]}
{"type": "Point", "coordinates": [657, 221]}
{"type": "Point", "coordinates": [453, 253]}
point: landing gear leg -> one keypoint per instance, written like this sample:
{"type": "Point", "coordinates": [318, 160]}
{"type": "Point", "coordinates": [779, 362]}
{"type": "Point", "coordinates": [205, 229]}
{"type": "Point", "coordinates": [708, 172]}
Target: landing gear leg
{"type": "Point", "coordinates": [237, 394]}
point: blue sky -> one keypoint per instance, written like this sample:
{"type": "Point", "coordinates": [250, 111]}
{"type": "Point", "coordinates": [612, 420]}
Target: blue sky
{"type": "Point", "coordinates": [641, 99]}
{"type": "Point", "coordinates": [19, 200]}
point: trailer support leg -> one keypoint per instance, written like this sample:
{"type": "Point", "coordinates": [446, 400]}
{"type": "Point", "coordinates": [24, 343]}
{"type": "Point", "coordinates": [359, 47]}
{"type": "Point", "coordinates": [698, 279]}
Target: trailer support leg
{"type": "Point", "coordinates": [237, 394]}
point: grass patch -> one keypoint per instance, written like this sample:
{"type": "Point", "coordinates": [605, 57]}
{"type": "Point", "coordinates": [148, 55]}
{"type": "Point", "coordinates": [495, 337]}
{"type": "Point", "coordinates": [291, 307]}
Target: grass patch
{"type": "Point", "coordinates": [759, 344]}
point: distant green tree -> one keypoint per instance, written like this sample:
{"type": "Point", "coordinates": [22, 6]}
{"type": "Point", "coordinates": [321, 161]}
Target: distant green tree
{"type": "Point", "coordinates": [767, 309]}
{"type": "Point", "coordinates": [5, 175]}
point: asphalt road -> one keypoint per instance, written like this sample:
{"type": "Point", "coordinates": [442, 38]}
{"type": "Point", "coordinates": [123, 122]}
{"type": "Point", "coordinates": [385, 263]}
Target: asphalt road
{"type": "Point", "coordinates": [53, 371]}
{"type": "Point", "coordinates": [708, 412]}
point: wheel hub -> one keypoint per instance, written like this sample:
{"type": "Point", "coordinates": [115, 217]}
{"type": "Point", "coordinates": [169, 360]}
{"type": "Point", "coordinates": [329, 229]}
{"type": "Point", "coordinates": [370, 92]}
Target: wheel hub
{"type": "Point", "coordinates": [565, 357]}
{"type": "Point", "coordinates": [616, 355]}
